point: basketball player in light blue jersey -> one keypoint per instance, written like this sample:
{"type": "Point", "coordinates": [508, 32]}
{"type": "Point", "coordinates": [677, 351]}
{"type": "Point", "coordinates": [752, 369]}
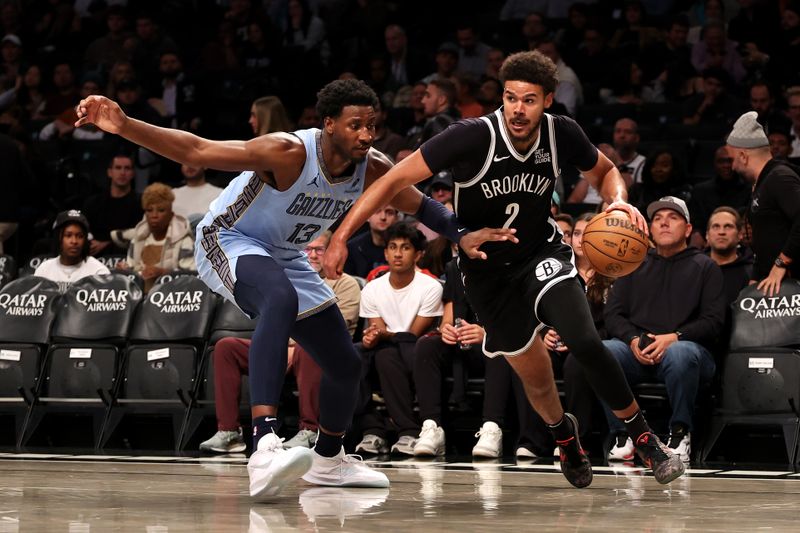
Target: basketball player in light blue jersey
{"type": "Point", "coordinates": [249, 250]}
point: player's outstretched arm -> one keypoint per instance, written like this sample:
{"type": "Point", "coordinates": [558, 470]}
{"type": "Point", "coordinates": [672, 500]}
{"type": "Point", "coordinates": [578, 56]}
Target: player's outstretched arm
{"type": "Point", "coordinates": [182, 146]}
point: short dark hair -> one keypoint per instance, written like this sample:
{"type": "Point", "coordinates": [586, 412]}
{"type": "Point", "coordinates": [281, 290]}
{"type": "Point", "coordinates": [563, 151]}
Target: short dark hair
{"type": "Point", "coordinates": [405, 231]}
{"type": "Point", "coordinates": [448, 88]}
{"type": "Point", "coordinates": [565, 217]}
{"type": "Point", "coordinates": [731, 211]}
{"type": "Point", "coordinates": [339, 94]}
{"type": "Point", "coordinates": [119, 155]}
{"type": "Point", "coordinates": [531, 67]}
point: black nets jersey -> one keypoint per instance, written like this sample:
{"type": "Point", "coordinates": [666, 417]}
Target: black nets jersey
{"type": "Point", "coordinates": [495, 186]}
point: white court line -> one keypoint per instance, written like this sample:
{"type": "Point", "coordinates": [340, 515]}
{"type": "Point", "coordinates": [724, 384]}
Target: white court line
{"type": "Point", "coordinates": [766, 473]}
{"type": "Point", "coordinates": [535, 468]}
{"type": "Point", "coordinates": [480, 466]}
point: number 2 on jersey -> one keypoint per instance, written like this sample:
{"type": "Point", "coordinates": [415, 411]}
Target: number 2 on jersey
{"type": "Point", "coordinates": [513, 210]}
{"type": "Point", "coordinates": [303, 232]}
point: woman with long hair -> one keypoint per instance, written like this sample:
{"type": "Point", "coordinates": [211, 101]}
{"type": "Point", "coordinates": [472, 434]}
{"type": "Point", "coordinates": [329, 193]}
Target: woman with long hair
{"type": "Point", "coordinates": [267, 115]}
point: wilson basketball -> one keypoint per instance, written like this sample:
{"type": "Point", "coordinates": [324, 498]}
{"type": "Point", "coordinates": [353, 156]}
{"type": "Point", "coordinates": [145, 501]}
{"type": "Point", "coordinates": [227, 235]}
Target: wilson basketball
{"type": "Point", "coordinates": [613, 245]}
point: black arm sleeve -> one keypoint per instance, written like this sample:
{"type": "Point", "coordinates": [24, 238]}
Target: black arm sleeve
{"type": "Point", "coordinates": [574, 147]}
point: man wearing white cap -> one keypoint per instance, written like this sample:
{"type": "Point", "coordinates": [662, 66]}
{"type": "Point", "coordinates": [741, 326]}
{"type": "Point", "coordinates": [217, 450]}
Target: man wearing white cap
{"type": "Point", "coordinates": [775, 208]}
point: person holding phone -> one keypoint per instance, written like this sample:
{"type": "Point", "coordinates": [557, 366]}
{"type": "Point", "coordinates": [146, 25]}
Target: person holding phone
{"type": "Point", "coordinates": [663, 321]}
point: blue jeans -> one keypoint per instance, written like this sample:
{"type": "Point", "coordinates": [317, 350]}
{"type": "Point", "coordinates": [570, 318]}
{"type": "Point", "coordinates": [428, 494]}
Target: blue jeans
{"type": "Point", "coordinates": [684, 367]}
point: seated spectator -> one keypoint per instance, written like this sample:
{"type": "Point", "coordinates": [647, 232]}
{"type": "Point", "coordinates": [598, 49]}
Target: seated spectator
{"type": "Point", "coordinates": [715, 50]}
{"type": "Point", "coordinates": [118, 208]}
{"type": "Point", "coordinates": [626, 85]}
{"type": "Point", "coordinates": [715, 105]}
{"type": "Point", "coordinates": [446, 63]}
{"type": "Point", "coordinates": [724, 235]}
{"type": "Point", "coordinates": [635, 34]}
{"type": "Point", "coordinates": [267, 115]}
{"type": "Point", "coordinates": [434, 352]}
{"type": "Point", "coordinates": [583, 193]}
{"type": "Point", "coordinates": [72, 243]}
{"type": "Point", "coordinates": [565, 223]}
{"type": "Point", "coordinates": [441, 190]}
{"type": "Point", "coordinates": [663, 320]}
{"type": "Point", "coordinates": [366, 251]}
{"type": "Point", "coordinates": [64, 123]}
{"type": "Point", "coordinates": [13, 180]}
{"type": "Point", "coordinates": [663, 175]}
{"type": "Point", "coordinates": [569, 91]}
{"type": "Point", "coordinates": [626, 143]}
{"type": "Point", "coordinates": [64, 95]}
{"type": "Point", "coordinates": [440, 111]}
{"type": "Point", "coordinates": [399, 307]}
{"type": "Point", "coordinates": [386, 140]}
{"type": "Point", "coordinates": [472, 52]}
{"type": "Point", "coordinates": [780, 140]}
{"type": "Point", "coordinates": [194, 198]}
{"type": "Point", "coordinates": [231, 363]}
{"type": "Point", "coordinates": [670, 61]}
{"type": "Point", "coordinates": [162, 242]}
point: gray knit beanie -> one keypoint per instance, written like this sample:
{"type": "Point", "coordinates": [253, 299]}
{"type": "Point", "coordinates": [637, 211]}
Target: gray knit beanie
{"type": "Point", "coordinates": [747, 132]}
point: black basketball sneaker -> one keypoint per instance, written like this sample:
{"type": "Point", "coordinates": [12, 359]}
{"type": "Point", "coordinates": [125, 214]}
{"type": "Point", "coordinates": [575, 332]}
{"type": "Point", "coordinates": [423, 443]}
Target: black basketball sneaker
{"type": "Point", "coordinates": [657, 456]}
{"type": "Point", "coordinates": [575, 463]}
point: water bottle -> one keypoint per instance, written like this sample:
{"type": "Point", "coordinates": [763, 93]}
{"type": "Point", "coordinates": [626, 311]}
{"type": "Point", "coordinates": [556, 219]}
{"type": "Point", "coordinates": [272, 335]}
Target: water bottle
{"type": "Point", "coordinates": [461, 345]}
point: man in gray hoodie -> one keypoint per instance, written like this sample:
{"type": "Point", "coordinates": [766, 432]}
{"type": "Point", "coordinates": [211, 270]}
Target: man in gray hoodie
{"type": "Point", "coordinates": [664, 319]}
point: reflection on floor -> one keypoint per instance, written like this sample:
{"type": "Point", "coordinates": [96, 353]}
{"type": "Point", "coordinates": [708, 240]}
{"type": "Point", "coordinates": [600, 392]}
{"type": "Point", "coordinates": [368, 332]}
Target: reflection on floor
{"type": "Point", "coordinates": [83, 494]}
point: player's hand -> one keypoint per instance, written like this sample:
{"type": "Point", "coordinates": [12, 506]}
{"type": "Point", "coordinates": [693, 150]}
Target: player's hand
{"type": "Point", "coordinates": [102, 112]}
{"type": "Point", "coordinates": [471, 242]}
{"type": "Point", "coordinates": [636, 217]}
{"type": "Point", "coordinates": [772, 283]}
{"type": "Point", "coordinates": [334, 258]}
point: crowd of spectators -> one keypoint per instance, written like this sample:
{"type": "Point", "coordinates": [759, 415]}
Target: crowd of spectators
{"type": "Point", "coordinates": [656, 85]}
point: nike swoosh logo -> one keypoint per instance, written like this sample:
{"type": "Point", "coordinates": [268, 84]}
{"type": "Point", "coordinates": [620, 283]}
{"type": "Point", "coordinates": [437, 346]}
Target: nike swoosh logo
{"type": "Point", "coordinates": [496, 158]}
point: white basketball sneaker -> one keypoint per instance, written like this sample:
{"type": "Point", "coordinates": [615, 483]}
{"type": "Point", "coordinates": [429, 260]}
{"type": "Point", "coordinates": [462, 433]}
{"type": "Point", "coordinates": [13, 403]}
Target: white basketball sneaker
{"type": "Point", "coordinates": [490, 441]}
{"type": "Point", "coordinates": [430, 441]}
{"type": "Point", "coordinates": [344, 471]}
{"type": "Point", "coordinates": [271, 467]}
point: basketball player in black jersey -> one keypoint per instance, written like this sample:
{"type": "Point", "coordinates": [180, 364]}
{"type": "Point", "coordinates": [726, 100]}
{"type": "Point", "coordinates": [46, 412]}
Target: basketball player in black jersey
{"type": "Point", "coordinates": [505, 166]}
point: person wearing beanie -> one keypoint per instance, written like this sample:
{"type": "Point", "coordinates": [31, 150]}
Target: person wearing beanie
{"type": "Point", "coordinates": [775, 206]}
{"type": "Point", "coordinates": [72, 242]}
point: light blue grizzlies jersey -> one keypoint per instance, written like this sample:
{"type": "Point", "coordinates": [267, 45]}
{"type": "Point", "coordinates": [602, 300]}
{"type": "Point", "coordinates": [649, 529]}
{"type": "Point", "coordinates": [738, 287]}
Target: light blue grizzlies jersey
{"type": "Point", "coordinates": [251, 218]}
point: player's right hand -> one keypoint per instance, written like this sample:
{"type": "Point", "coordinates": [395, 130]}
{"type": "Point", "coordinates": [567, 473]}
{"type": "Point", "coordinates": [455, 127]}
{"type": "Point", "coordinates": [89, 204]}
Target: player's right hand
{"type": "Point", "coordinates": [102, 112]}
{"type": "Point", "coordinates": [471, 242]}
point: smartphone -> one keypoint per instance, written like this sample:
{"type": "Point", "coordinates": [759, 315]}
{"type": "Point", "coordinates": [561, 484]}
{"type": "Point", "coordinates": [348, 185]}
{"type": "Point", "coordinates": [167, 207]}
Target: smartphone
{"type": "Point", "coordinates": [645, 341]}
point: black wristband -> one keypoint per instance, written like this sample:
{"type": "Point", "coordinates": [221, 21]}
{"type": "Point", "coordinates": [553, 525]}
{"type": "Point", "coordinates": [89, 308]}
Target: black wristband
{"type": "Point", "coordinates": [440, 219]}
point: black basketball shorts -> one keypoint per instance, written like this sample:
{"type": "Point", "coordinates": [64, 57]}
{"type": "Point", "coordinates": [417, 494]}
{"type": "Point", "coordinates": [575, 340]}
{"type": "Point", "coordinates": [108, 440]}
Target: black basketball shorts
{"type": "Point", "coordinates": [506, 299]}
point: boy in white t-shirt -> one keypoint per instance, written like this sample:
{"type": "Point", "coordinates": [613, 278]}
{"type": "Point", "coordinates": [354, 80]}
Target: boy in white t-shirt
{"type": "Point", "coordinates": [73, 261]}
{"type": "Point", "coordinates": [399, 307]}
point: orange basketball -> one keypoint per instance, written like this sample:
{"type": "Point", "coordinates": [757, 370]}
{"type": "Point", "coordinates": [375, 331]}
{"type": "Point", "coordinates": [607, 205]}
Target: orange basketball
{"type": "Point", "coordinates": [613, 245]}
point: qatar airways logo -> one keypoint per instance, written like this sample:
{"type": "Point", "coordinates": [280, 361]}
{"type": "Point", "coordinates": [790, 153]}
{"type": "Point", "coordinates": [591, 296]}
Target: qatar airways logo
{"type": "Point", "coordinates": [103, 300]}
{"type": "Point", "coordinates": [177, 301]}
{"type": "Point", "coordinates": [23, 304]}
{"type": "Point", "coordinates": [774, 307]}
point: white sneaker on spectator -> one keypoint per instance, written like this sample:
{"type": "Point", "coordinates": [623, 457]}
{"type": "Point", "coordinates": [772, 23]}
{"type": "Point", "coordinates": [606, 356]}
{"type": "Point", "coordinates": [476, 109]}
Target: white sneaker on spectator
{"type": "Point", "coordinates": [224, 442]}
{"type": "Point", "coordinates": [372, 445]}
{"type": "Point", "coordinates": [344, 471]}
{"type": "Point", "coordinates": [271, 467]}
{"type": "Point", "coordinates": [623, 449]}
{"type": "Point", "coordinates": [490, 441]}
{"type": "Point", "coordinates": [305, 438]}
{"type": "Point", "coordinates": [430, 441]}
{"type": "Point", "coordinates": [404, 445]}
{"type": "Point", "coordinates": [525, 453]}
{"type": "Point", "coordinates": [557, 452]}
{"type": "Point", "coordinates": [682, 446]}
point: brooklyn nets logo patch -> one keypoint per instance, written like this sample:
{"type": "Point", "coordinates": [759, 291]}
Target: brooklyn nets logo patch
{"type": "Point", "coordinates": [547, 269]}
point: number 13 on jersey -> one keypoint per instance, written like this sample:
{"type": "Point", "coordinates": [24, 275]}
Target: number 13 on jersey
{"type": "Point", "coordinates": [303, 233]}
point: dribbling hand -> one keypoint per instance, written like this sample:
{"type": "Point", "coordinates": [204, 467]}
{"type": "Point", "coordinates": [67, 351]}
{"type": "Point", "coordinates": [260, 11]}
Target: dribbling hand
{"type": "Point", "coordinates": [636, 217]}
{"type": "Point", "coordinates": [102, 112]}
{"type": "Point", "coordinates": [471, 242]}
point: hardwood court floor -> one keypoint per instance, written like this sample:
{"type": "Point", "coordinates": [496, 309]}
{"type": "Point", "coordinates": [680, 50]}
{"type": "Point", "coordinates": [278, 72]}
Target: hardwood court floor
{"type": "Point", "coordinates": [88, 494]}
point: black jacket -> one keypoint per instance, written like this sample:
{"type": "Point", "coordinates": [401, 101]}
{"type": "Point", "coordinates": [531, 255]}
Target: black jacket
{"type": "Point", "coordinates": [737, 274]}
{"type": "Point", "coordinates": [669, 294]}
{"type": "Point", "coordinates": [775, 217]}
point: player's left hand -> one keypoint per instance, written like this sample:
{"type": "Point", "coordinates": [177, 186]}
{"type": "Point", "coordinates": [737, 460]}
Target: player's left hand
{"type": "Point", "coordinates": [471, 242]}
{"type": "Point", "coordinates": [636, 217]}
{"type": "Point", "coordinates": [334, 258]}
